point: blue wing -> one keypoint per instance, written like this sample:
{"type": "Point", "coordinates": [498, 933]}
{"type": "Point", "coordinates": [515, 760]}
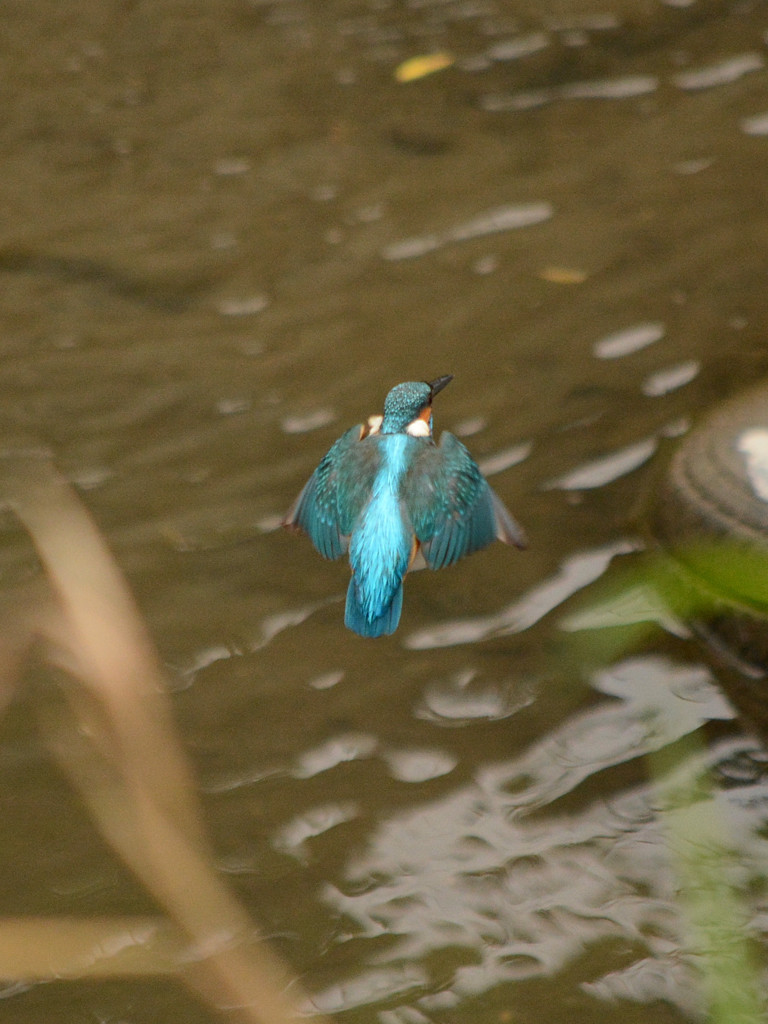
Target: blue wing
{"type": "Point", "coordinates": [453, 508]}
{"type": "Point", "coordinates": [333, 497]}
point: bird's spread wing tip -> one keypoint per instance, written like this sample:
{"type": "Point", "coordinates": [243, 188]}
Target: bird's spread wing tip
{"type": "Point", "coordinates": [508, 530]}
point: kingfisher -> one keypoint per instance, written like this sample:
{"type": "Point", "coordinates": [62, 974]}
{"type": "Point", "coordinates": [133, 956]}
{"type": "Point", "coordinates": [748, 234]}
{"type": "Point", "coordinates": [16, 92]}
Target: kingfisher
{"type": "Point", "coordinates": [390, 497]}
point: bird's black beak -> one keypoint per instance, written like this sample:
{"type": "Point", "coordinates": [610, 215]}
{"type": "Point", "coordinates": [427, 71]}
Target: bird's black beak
{"type": "Point", "coordinates": [438, 385]}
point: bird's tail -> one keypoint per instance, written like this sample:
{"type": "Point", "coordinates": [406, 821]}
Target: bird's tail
{"type": "Point", "coordinates": [386, 623]}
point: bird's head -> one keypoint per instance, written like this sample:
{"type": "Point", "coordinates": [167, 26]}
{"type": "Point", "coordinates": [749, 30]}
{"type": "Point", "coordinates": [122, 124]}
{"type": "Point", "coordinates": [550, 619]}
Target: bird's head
{"type": "Point", "coordinates": [408, 407]}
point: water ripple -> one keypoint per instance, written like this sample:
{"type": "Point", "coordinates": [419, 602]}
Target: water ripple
{"type": "Point", "coordinates": [370, 986]}
{"type": "Point", "coordinates": [753, 445]}
{"type": "Point", "coordinates": [340, 749]}
{"type": "Point", "coordinates": [631, 339]}
{"type": "Point", "coordinates": [605, 469]}
{"type": "Point", "coordinates": [310, 421]}
{"type": "Point", "coordinates": [649, 981]}
{"type": "Point", "coordinates": [757, 125]}
{"type": "Point", "coordinates": [621, 88]}
{"type": "Point", "coordinates": [506, 458]}
{"type": "Point", "coordinates": [249, 305]}
{"type": "Point", "coordinates": [671, 378]}
{"type": "Point", "coordinates": [722, 73]}
{"type": "Point", "coordinates": [502, 218]}
{"type": "Point", "coordinates": [576, 572]}
{"type": "Point", "coordinates": [273, 625]}
{"type": "Point", "coordinates": [419, 765]}
{"type": "Point", "coordinates": [519, 46]}
{"type": "Point", "coordinates": [293, 835]}
{"type": "Point", "coordinates": [515, 895]}
{"type": "Point", "coordinates": [459, 700]}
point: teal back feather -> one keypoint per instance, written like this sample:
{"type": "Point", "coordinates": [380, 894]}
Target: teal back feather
{"type": "Point", "coordinates": [380, 547]}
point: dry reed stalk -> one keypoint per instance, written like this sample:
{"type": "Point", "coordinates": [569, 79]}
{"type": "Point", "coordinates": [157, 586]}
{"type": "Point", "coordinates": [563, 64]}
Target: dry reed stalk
{"type": "Point", "coordinates": [116, 740]}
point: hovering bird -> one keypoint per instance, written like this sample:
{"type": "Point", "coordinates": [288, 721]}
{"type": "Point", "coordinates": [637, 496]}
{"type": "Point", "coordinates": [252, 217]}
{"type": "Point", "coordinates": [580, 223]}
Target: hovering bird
{"type": "Point", "coordinates": [387, 493]}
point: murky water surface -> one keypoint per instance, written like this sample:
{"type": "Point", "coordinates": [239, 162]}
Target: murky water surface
{"type": "Point", "coordinates": [226, 233]}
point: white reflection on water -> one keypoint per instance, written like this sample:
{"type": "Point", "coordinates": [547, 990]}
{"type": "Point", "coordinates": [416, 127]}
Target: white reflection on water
{"type": "Point", "coordinates": [620, 88]}
{"type": "Point", "coordinates": [597, 21]}
{"type": "Point", "coordinates": [524, 895]}
{"type": "Point", "coordinates": [660, 702]}
{"type": "Point", "coordinates": [326, 680]}
{"type": "Point", "coordinates": [519, 46]}
{"type": "Point", "coordinates": [753, 445]}
{"type": "Point", "coordinates": [294, 834]}
{"type": "Point", "coordinates": [459, 700]}
{"type": "Point", "coordinates": [419, 765]}
{"type": "Point", "coordinates": [310, 421]}
{"type": "Point", "coordinates": [722, 73]}
{"type": "Point", "coordinates": [634, 605]}
{"type": "Point", "coordinates": [370, 986]}
{"type": "Point", "coordinates": [631, 339]}
{"type": "Point", "coordinates": [205, 657]}
{"type": "Point", "coordinates": [611, 88]}
{"type": "Point", "coordinates": [605, 469]}
{"type": "Point", "coordinates": [650, 981]}
{"type": "Point", "coordinates": [273, 625]}
{"type": "Point", "coordinates": [694, 166]}
{"type": "Point", "coordinates": [468, 427]}
{"type": "Point", "coordinates": [506, 459]}
{"type": "Point", "coordinates": [576, 572]}
{"type": "Point", "coordinates": [662, 382]}
{"type": "Point", "coordinates": [249, 305]}
{"type": "Point", "coordinates": [757, 125]}
{"type": "Point", "coordinates": [503, 218]}
{"type": "Point", "coordinates": [346, 747]}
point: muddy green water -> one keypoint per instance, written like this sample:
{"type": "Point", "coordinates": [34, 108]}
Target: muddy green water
{"type": "Point", "coordinates": [226, 231]}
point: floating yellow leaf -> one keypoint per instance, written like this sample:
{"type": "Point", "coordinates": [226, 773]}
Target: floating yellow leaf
{"type": "Point", "coordinates": [418, 67]}
{"type": "Point", "coordinates": [563, 275]}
